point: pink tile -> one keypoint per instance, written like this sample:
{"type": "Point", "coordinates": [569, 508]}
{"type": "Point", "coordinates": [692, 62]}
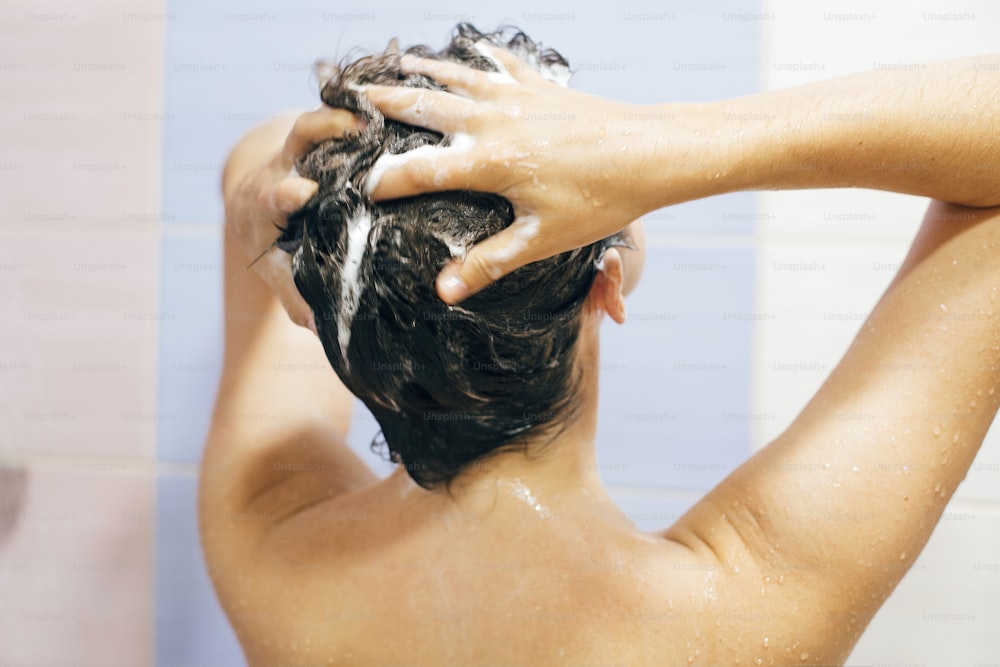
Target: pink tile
{"type": "Point", "coordinates": [76, 572]}
{"type": "Point", "coordinates": [80, 116]}
{"type": "Point", "coordinates": [78, 344]}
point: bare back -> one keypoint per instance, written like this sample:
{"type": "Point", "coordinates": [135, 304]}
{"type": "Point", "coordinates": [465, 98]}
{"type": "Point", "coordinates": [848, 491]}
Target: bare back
{"type": "Point", "coordinates": [378, 581]}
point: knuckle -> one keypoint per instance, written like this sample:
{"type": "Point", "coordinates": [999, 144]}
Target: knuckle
{"type": "Point", "coordinates": [419, 174]}
{"type": "Point", "coordinates": [482, 269]}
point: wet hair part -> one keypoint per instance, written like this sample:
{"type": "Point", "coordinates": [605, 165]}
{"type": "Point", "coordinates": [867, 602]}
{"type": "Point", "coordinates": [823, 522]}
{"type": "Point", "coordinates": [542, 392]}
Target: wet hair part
{"type": "Point", "coordinates": [449, 385]}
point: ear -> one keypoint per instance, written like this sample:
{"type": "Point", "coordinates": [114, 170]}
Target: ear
{"type": "Point", "coordinates": [607, 292]}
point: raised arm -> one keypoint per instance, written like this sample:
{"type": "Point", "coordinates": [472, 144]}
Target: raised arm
{"type": "Point", "coordinates": [838, 508]}
{"type": "Point", "coordinates": [930, 130]}
{"type": "Point", "coordinates": [276, 443]}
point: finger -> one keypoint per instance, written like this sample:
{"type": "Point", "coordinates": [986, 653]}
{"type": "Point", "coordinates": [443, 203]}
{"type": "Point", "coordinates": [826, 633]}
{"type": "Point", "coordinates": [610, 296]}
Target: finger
{"type": "Point", "coordinates": [508, 62]}
{"type": "Point", "coordinates": [458, 78]}
{"type": "Point", "coordinates": [314, 127]}
{"type": "Point", "coordinates": [292, 193]}
{"type": "Point", "coordinates": [489, 261]}
{"type": "Point", "coordinates": [440, 111]}
{"type": "Point", "coordinates": [424, 169]}
{"type": "Point", "coordinates": [276, 270]}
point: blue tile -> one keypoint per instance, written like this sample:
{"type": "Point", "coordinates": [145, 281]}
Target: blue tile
{"type": "Point", "coordinates": [191, 629]}
{"type": "Point", "coordinates": [364, 429]}
{"type": "Point", "coordinates": [231, 64]}
{"type": "Point", "coordinates": [649, 512]}
{"type": "Point", "coordinates": [220, 82]}
{"type": "Point", "coordinates": [675, 379]}
{"type": "Point", "coordinates": [190, 343]}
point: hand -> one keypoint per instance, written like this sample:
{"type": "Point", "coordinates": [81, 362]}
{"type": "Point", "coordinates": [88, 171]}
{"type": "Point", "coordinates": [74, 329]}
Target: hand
{"type": "Point", "coordinates": [560, 156]}
{"type": "Point", "coordinates": [259, 197]}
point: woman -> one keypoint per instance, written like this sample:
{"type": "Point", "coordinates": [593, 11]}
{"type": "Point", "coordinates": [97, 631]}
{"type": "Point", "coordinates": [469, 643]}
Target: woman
{"type": "Point", "coordinates": [513, 553]}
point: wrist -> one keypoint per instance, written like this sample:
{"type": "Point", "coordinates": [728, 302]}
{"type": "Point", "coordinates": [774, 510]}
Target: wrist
{"type": "Point", "coordinates": [689, 151]}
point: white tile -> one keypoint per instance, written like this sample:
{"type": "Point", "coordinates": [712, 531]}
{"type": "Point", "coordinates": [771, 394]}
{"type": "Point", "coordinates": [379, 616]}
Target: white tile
{"type": "Point", "coordinates": [839, 216]}
{"type": "Point", "coordinates": [811, 302]}
{"type": "Point", "coordinates": [809, 41]}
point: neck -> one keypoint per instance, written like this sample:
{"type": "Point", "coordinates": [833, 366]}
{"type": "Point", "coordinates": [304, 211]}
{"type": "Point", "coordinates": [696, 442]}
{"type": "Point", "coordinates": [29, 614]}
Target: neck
{"type": "Point", "coordinates": [549, 472]}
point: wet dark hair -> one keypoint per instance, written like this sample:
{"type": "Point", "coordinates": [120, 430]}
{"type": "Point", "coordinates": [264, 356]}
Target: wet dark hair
{"type": "Point", "coordinates": [449, 385]}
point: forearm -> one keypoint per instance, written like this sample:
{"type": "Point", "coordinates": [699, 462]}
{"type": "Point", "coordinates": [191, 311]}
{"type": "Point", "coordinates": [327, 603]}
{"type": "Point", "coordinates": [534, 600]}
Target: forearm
{"type": "Point", "coordinates": [932, 131]}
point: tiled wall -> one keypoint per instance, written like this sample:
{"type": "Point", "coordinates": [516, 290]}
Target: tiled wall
{"type": "Point", "coordinates": [115, 117]}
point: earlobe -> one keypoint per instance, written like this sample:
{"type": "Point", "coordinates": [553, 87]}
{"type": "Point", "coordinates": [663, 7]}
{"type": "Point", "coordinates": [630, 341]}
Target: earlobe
{"type": "Point", "coordinates": [611, 283]}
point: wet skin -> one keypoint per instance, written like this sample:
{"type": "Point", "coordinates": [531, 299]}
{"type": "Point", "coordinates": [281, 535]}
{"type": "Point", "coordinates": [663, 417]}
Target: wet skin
{"type": "Point", "coordinates": [527, 561]}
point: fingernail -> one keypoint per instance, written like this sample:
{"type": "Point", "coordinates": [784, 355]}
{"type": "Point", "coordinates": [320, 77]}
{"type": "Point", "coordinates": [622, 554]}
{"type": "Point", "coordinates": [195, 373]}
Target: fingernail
{"type": "Point", "coordinates": [453, 289]}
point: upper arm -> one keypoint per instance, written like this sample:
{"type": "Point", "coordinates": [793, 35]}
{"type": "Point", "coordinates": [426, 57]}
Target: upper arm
{"type": "Point", "coordinates": [839, 508]}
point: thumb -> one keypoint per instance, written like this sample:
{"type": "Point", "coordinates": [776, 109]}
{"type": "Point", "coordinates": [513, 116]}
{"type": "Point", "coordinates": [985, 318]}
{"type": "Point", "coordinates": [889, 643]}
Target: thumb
{"type": "Point", "coordinates": [489, 260]}
{"type": "Point", "coordinates": [276, 270]}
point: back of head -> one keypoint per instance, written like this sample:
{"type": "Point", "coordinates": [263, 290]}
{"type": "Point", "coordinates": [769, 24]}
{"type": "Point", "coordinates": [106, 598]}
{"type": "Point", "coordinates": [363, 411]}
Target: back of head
{"type": "Point", "coordinates": [449, 385]}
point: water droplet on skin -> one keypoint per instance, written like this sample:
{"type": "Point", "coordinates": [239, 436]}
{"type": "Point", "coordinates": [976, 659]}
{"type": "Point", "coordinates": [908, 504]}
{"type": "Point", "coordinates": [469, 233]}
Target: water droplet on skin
{"type": "Point", "coordinates": [944, 308]}
{"type": "Point", "coordinates": [937, 487]}
{"type": "Point", "coordinates": [759, 661]}
{"type": "Point", "coordinates": [973, 403]}
{"type": "Point", "coordinates": [804, 655]}
{"type": "Point", "coordinates": [690, 659]}
{"type": "Point", "coordinates": [992, 391]}
{"type": "Point", "coordinates": [854, 468]}
{"type": "Point", "coordinates": [936, 431]}
{"type": "Point", "coordinates": [954, 438]}
{"type": "Point", "coordinates": [765, 642]}
{"type": "Point", "coordinates": [902, 555]}
{"type": "Point", "coordinates": [781, 579]}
